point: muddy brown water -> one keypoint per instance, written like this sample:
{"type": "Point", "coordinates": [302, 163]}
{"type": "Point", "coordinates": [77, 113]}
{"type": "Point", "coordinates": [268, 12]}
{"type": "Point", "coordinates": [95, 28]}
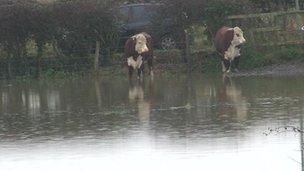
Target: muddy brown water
{"type": "Point", "coordinates": [178, 123]}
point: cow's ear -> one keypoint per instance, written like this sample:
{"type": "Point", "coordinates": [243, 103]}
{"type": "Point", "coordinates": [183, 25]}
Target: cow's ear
{"type": "Point", "coordinates": [130, 46]}
{"type": "Point", "coordinates": [229, 35]}
{"type": "Point", "coordinates": [133, 43]}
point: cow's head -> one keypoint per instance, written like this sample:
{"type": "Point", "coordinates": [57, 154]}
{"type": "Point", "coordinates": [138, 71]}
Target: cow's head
{"type": "Point", "coordinates": [238, 37]}
{"type": "Point", "coordinates": [140, 43]}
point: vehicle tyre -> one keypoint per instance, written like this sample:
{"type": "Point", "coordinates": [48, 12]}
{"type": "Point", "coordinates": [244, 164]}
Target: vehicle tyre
{"type": "Point", "coordinates": [168, 42]}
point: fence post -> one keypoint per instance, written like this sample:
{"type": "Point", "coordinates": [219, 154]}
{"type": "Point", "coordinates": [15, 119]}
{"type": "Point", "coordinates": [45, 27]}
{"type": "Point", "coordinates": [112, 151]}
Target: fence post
{"type": "Point", "coordinates": [9, 70]}
{"type": "Point", "coordinates": [39, 60]}
{"type": "Point", "coordinates": [187, 50]}
{"type": "Point", "coordinates": [96, 58]}
{"type": "Point", "coordinates": [297, 5]}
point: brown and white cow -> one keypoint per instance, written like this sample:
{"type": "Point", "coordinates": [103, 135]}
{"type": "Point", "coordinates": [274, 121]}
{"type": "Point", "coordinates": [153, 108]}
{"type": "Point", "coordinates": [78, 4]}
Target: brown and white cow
{"type": "Point", "coordinates": [227, 42]}
{"type": "Point", "coordinates": [138, 50]}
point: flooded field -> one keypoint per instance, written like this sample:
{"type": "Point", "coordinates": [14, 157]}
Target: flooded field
{"type": "Point", "coordinates": [177, 123]}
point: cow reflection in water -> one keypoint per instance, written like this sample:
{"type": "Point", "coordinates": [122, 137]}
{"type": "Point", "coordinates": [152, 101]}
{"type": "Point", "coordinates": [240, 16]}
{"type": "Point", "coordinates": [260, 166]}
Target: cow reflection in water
{"type": "Point", "coordinates": [232, 101]}
{"type": "Point", "coordinates": [137, 97]}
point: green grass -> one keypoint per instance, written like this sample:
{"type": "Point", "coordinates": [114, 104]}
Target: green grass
{"type": "Point", "coordinates": [251, 58]}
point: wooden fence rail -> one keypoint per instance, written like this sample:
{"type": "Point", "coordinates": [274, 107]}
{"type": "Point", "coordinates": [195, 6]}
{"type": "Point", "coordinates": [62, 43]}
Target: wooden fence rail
{"type": "Point", "coordinates": [268, 29]}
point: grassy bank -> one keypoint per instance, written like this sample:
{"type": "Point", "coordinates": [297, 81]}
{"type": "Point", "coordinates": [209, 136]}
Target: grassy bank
{"type": "Point", "coordinates": [252, 58]}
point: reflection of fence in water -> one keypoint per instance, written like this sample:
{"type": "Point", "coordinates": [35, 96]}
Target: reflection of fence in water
{"type": "Point", "coordinates": [268, 29]}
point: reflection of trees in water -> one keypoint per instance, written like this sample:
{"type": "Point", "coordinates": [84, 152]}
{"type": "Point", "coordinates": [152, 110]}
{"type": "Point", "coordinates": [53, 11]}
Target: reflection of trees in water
{"type": "Point", "coordinates": [33, 103]}
{"type": "Point", "coordinates": [20, 107]}
{"type": "Point", "coordinates": [70, 106]}
{"type": "Point", "coordinates": [98, 93]}
{"type": "Point", "coordinates": [4, 101]}
{"type": "Point", "coordinates": [85, 103]}
{"type": "Point", "coordinates": [26, 107]}
{"type": "Point", "coordinates": [53, 100]}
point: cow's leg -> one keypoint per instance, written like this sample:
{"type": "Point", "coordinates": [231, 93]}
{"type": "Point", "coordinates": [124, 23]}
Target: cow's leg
{"type": "Point", "coordinates": [236, 62]}
{"type": "Point", "coordinates": [140, 66]}
{"type": "Point", "coordinates": [131, 69]}
{"type": "Point", "coordinates": [226, 65]}
{"type": "Point", "coordinates": [223, 66]}
{"type": "Point", "coordinates": [150, 65]}
{"type": "Point", "coordinates": [229, 66]}
{"type": "Point", "coordinates": [140, 71]}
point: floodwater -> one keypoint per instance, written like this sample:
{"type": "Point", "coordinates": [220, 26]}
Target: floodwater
{"type": "Point", "coordinates": [178, 123]}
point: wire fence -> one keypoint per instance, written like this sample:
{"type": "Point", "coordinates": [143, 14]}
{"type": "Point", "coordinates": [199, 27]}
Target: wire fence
{"type": "Point", "coordinates": [32, 66]}
{"type": "Point", "coordinates": [271, 29]}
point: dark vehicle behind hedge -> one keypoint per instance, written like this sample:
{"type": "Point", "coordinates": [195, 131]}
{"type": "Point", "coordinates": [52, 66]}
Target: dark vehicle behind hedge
{"type": "Point", "coordinates": [148, 17]}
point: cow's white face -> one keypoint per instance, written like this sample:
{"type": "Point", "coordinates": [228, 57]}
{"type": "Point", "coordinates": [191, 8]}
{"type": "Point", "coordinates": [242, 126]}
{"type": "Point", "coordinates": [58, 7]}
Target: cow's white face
{"type": "Point", "coordinates": [140, 43]}
{"type": "Point", "coordinates": [238, 37]}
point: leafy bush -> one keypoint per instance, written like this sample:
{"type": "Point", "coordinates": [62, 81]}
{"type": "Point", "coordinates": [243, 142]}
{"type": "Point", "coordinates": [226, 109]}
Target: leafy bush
{"type": "Point", "coordinates": [16, 25]}
{"type": "Point", "coordinates": [73, 26]}
{"type": "Point", "coordinates": [252, 58]}
{"type": "Point", "coordinates": [82, 23]}
{"type": "Point", "coordinates": [273, 5]}
{"type": "Point", "coordinates": [215, 13]}
{"type": "Point", "coordinates": [288, 53]}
